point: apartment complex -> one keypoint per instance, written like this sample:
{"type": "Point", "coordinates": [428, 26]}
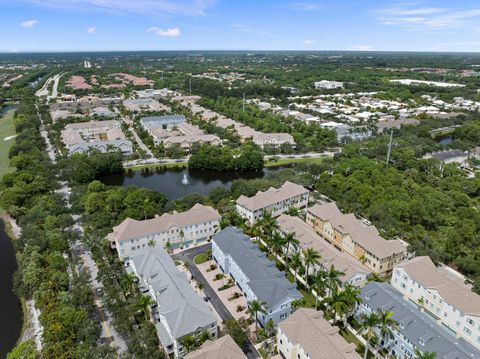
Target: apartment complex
{"type": "Point", "coordinates": [355, 272]}
{"type": "Point", "coordinates": [417, 330]}
{"type": "Point", "coordinates": [178, 311]}
{"type": "Point", "coordinates": [151, 122]}
{"type": "Point", "coordinates": [307, 335]}
{"type": "Point", "coordinates": [358, 238]}
{"type": "Point", "coordinates": [274, 200]}
{"type": "Point", "coordinates": [192, 227]}
{"type": "Point", "coordinates": [100, 135]}
{"type": "Point", "coordinates": [443, 294]}
{"type": "Point", "coordinates": [254, 274]}
{"type": "Point", "coordinates": [222, 348]}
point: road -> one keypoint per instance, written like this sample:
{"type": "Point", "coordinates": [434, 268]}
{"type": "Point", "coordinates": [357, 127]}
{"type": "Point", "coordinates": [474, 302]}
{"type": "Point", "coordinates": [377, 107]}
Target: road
{"type": "Point", "coordinates": [187, 257]}
{"type": "Point", "coordinates": [144, 147]}
{"type": "Point", "coordinates": [88, 264]}
{"type": "Point", "coordinates": [44, 90]}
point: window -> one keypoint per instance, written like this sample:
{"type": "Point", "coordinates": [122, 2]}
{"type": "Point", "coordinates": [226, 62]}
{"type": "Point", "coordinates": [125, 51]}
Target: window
{"type": "Point", "coordinates": [466, 330]}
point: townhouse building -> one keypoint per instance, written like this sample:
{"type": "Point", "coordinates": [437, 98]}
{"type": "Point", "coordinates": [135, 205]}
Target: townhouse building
{"type": "Point", "coordinates": [92, 128]}
{"type": "Point", "coordinates": [307, 335]}
{"type": "Point", "coordinates": [165, 122]}
{"type": "Point", "coordinates": [274, 200]}
{"type": "Point", "coordinates": [178, 311]}
{"type": "Point", "coordinates": [255, 276]}
{"type": "Point", "coordinates": [416, 330]}
{"type": "Point", "coordinates": [442, 294]}
{"type": "Point", "coordinates": [222, 348]}
{"type": "Point", "coordinates": [358, 238]}
{"type": "Point", "coordinates": [355, 272]}
{"type": "Point", "coordinates": [170, 231]}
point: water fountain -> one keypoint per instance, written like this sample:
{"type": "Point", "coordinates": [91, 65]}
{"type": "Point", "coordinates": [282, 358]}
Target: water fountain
{"type": "Point", "coordinates": [185, 179]}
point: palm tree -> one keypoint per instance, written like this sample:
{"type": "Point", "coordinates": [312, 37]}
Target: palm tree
{"type": "Point", "coordinates": [268, 224]}
{"type": "Point", "coordinates": [200, 286]}
{"type": "Point", "coordinates": [369, 323]}
{"type": "Point", "coordinates": [319, 283]}
{"type": "Point", "coordinates": [295, 263]}
{"type": "Point", "coordinates": [255, 307]}
{"type": "Point", "coordinates": [182, 236]}
{"type": "Point", "coordinates": [151, 243]}
{"type": "Point", "coordinates": [269, 327]}
{"type": "Point", "coordinates": [126, 282]}
{"type": "Point", "coordinates": [277, 243]}
{"type": "Point", "coordinates": [424, 355]}
{"type": "Point", "coordinates": [337, 303]}
{"type": "Point", "coordinates": [386, 324]}
{"type": "Point", "coordinates": [311, 258]}
{"type": "Point", "coordinates": [143, 303]}
{"type": "Point", "coordinates": [333, 279]}
{"type": "Point", "coordinates": [203, 337]}
{"type": "Point", "coordinates": [290, 240]}
{"type": "Point", "coordinates": [168, 246]}
{"type": "Point", "coordinates": [352, 297]}
{"type": "Point", "coordinates": [299, 303]}
{"type": "Point", "coordinates": [188, 342]}
{"type": "Point", "coordinates": [421, 303]}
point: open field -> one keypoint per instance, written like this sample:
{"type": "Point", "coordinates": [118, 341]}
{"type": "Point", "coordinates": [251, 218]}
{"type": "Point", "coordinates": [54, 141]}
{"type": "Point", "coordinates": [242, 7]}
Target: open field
{"type": "Point", "coordinates": [7, 129]}
{"type": "Point", "coordinates": [290, 161]}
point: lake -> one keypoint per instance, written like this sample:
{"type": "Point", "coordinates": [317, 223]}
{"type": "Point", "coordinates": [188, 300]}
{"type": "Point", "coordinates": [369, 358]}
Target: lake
{"type": "Point", "coordinates": [10, 309]}
{"type": "Point", "coordinates": [171, 182]}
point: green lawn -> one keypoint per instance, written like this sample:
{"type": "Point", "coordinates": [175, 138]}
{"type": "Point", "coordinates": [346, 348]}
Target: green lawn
{"type": "Point", "coordinates": [200, 258]}
{"type": "Point", "coordinates": [7, 128]}
{"type": "Point", "coordinates": [289, 161]}
{"type": "Point", "coordinates": [159, 165]}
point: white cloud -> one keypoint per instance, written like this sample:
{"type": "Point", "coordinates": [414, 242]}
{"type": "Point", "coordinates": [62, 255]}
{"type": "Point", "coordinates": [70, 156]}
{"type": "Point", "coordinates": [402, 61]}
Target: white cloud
{"type": "Point", "coordinates": [362, 48]}
{"type": "Point", "coordinates": [306, 6]}
{"type": "Point", "coordinates": [91, 30]}
{"type": "Point", "coordinates": [173, 32]}
{"type": "Point", "coordinates": [29, 23]}
{"type": "Point", "coordinates": [432, 18]}
{"type": "Point", "coordinates": [309, 42]}
{"type": "Point", "coordinates": [14, 51]}
{"type": "Point", "coordinates": [146, 7]}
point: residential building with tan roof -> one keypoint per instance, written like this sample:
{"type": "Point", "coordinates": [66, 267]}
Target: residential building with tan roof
{"type": "Point", "coordinates": [91, 128]}
{"type": "Point", "coordinates": [187, 142]}
{"type": "Point", "coordinates": [445, 295]}
{"type": "Point", "coordinates": [222, 348]}
{"type": "Point", "coordinates": [307, 335]}
{"type": "Point", "coordinates": [184, 229]}
{"type": "Point", "coordinates": [274, 200]}
{"type": "Point", "coordinates": [356, 237]}
{"type": "Point", "coordinates": [355, 272]}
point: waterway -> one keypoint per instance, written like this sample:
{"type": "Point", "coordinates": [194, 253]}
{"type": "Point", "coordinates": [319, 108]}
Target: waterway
{"type": "Point", "coordinates": [172, 182]}
{"type": "Point", "coordinates": [10, 308]}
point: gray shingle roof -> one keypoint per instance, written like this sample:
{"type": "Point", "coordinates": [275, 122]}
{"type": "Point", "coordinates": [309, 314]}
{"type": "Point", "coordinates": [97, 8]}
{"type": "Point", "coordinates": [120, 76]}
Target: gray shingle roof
{"type": "Point", "coordinates": [417, 325]}
{"type": "Point", "coordinates": [183, 309]}
{"type": "Point", "coordinates": [266, 281]}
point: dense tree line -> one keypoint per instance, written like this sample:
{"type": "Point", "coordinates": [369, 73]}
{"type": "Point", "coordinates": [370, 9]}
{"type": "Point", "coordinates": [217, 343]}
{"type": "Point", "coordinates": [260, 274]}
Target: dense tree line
{"type": "Point", "coordinates": [247, 158]}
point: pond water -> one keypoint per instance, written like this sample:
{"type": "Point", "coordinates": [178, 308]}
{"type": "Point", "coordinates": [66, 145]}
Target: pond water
{"type": "Point", "coordinates": [444, 140]}
{"type": "Point", "coordinates": [176, 183]}
{"type": "Point", "coordinates": [10, 309]}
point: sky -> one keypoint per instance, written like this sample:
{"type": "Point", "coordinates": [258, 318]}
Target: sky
{"type": "Point", "coordinates": [151, 25]}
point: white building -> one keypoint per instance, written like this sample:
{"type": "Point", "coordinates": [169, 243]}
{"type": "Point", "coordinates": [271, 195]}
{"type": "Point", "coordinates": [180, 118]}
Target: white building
{"type": "Point", "coordinates": [178, 311]}
{"type": "Point", "coordinates": [185, 229]}
{"type": "Point", "coordinates": [307, 335]}
{"type": "Point", "coordinates": [329, 85]}
{"type": "Point", "coordinates": [255, 276]}
{"type": "Point", "coordinates": [443, 294]}
{"type": "Point", "coordinates": [274, 200]}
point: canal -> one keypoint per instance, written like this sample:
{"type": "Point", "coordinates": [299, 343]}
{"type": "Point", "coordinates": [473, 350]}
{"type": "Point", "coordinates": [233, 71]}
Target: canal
{"type": "Point", "coordinates": [10, 308]}
{"type": "Point", "coordinates": [176, 183]}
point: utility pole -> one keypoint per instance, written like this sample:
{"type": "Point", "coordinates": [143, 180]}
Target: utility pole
{"type": "Point", "coordinates": [243, 103]}
{"type": "Point", "coordinates": [389, 147]}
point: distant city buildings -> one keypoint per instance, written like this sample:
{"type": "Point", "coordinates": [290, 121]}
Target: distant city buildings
{"type": "Point", "coordinates": [274, 200]}
{"type": "Point", "coordinates": [356, 237]}
{"type": "Point", "coordinates": [307, 335]}
{"type": "Point", "coordinates": [256, 276]}
{"type": "Point", "coordinates": [178, 311]}
{"type": "Point", "coordinates": [442, 294]}
{"type": "Point", "coordinates": [184, 229]}
{"type": "Point", "coordinates": [417, 329]}
{"type": "Point", "coordinates": [328, 85]}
